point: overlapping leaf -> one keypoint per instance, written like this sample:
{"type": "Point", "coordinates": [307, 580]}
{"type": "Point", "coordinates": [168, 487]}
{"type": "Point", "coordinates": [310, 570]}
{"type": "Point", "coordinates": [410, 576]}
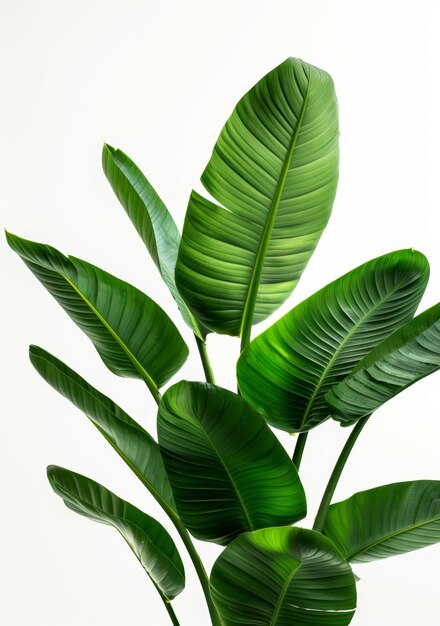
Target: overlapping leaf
{"type": "Point", "coordinates": [132, 334]}
{"type": "Point", "coordinates": [136, 447]}
{"type": "Point", "coordinates": [227, 470]}
{"type": "Point", "coordinates": [409, 354]}
{"type": "Point", "coordinates": [281, 577]}
{"type": "Point", "coordinates": [274, 173]}
{"type": "Point", "coordinates": [149, 541]}
{"type": "Point", "coordinates": [151, 219]}
{"type": "Point", "coordinates": [386, 521]}
{"type": "Point", "coordinates": [287, 371]}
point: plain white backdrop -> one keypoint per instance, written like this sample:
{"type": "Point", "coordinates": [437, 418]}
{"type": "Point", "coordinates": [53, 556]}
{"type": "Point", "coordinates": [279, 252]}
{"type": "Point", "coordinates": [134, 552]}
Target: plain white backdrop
{"type": "Point", "coordinates": [159, 80]}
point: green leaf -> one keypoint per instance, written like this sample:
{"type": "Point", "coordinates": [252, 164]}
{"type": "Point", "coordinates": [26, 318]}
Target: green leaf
{"type": "Point", "coordinates": [135, 446]}
{"type": "Point", "coordinates": [149, 541]}
{"type": "Point", "coordinates": [227, 470]}
{"type": "Point", "coordinates": [386, 521]}
{"type": "Point", "coordinates": [274, 171]}
{"type": "Point", "coordinates": [282, 577]}
{"type": "Point", "coordinates": [286, 372]}
{"type": "Point", "coordinates": [151, 219]}
{"type": "Point", "coordinates": [409, 354]}
{"type": "Point", "coordinates": [132, 334]}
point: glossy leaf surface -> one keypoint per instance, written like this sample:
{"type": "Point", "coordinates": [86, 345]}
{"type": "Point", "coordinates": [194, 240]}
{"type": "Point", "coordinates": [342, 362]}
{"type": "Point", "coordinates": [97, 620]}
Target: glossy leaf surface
{"type": "Point", "coordinates": [151, 219]}
{"type": "Point", "coordinates": [287, 371]}
{"type": "Point", "coordinates": [149, 541]}
{"type": "Point", "coordinates": [386, 521]}
{"type": "Point", "coordinates": [411, 353]}
{"type": "Point", "coordinates": [274, 173]}
{"type": "Point", "coordinates": [136, 447]}
{"type": "Point", "coordinates": [132, 334]}
{"type": "Point", "coordinates": [283, 577]}
{"type": "Point", "coordinates": [227, 470]}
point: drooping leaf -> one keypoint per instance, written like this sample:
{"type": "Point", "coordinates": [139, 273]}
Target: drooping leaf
{"type": "Point", "coordinates": [283, 577]}
{"type": "Point", "coordinates": [287, 371]}
{"type": "Point", "coordinates": [151, 219]}
{"type": "Point", "coordinates": [409, 354]}
{"type": "Point", "coordinates": [132, 334]}
{"type": "Point", "coordinates": [274, 173]}
{"type": "Point", "coordinates": [149, 541]}
{"type": "Point", "coordinates": [135, 446]}
{"type": "Point", "coordinates": [386, 521]}
{"type": "Point", "coordinates": [227, 470]}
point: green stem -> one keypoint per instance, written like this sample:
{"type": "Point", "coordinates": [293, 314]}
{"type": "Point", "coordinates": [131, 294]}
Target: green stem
{"type": "Point", "coordinates": [336, 474]}
{"type": "Point", "coordinates": [209, 374]}
{"type": "Point", "coordinates": [299, 449]}
{"type": "Point", "coordinates": [168, 607]}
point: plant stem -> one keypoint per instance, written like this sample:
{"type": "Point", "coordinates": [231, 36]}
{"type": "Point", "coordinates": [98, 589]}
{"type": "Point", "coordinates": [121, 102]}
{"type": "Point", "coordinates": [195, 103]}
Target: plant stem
{"type": "Point", "coordinates": [299, 449]}
{"type": "Point", "coordinates": [336, 474]}
{"type": "Point", "coordinates": [209, 374]}
{"type": "Point", "coordinates": [168, 607]}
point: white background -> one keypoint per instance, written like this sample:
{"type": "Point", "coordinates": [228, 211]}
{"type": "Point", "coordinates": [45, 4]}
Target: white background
{"type": "Point", "coordinates": [159, 79]}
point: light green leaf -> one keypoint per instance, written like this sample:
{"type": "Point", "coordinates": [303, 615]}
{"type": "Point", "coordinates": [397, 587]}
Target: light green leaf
{"type": "Point", "coordinates": [151, 219]}
{"type": "Point", "coordinates": [135, 446]}
{"type": "Point", "coordinates": [286, 372]}
{"type": "Point", "coordinates": [274, 173]}
{"type": "Point", "coordinates": [283, 577]}
{"type": "Point", "coordinates": [132, 334]}
{"type": "Point", "coordinates": [149, 541]}
{"type": "Point", "coordinates": [227, 470]}
{"type": "Point", "coordinates": [386, 521]}
{"type": "Point", "coordinates": [409, 354]}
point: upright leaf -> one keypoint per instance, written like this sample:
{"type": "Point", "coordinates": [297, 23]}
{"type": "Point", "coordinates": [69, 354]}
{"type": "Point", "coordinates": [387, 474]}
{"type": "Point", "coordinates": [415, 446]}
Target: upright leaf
{"type": "Point", "coordinates": [386, 521]}
{"type": "Point", "coordinates": [149, 541]}
{"type": "Point", "coordinates": [132, 334]}
{"type": "Point", "coordinates": [409, 354]}
{"type": "Point", "coordinates": [151, 219]}
{"type": "Point", "coordinates": [283, 576]}
{"type": "Point", "coordinates": [135, 446]}
{"type": "Point", "coordinates": [227, 470]}
{"type": "Point", "coordinates": [274, 173]}
{"type": "Point", "coordinates": [287, 371]}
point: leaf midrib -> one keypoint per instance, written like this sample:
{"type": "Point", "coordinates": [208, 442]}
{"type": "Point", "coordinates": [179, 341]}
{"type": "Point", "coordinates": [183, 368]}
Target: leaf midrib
{"type": "Point", "coordinates": [254, 283]}
{"type": "Point", "coordinates": [283, 594]}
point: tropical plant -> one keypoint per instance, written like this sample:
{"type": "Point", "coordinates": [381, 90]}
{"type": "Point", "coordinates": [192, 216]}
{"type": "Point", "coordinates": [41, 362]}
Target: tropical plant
{"type": "Point", "coordinates": [216, 467]}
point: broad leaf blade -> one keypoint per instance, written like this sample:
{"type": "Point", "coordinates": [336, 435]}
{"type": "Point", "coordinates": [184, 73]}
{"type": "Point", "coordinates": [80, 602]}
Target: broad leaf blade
{"type": "Point", "coordinates": [136, 447]}
{"type": "Point", "coordinates": [132, 334]}
{"type": "Point", "coordinates": [227, 470]}
{"type": "Point", "coordinates": [149, 541]}
{"type": "Point", "coordinates": [274, 173]}
{"type": "Point", "coordinates": [386, 521]}
{"type": "Point", "coordinates": [408, 355]}
{"type": "Point", "coordinates": [151, 219]}
{"type": "Point", "coordinates": [281, 576]}
{"type": "Point", "coordinates": [287, 370]}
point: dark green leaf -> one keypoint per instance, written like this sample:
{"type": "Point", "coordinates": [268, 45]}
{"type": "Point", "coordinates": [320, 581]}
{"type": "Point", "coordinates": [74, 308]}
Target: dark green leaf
{"type": "Point", "coordinates": [149, 541]}
{"type": "Point", "coordinates": [151, 219]}
{"type": "Point", "coordinates": [283, 577]}
{"type": "Point", "coordinates": [127, 437]}
{"type": "Point", "coordinates": [274, 171]}
{"type": "Point", "coordinates": [228, 471]}
{"type": "Point", "coordinates": [386, 521]}
{"type": "Point", "coordinates": [409, 354]}
{"type": "Point", "coordinates": [132, 334]}
{"type": "Point", "coordinates": [287, 371]}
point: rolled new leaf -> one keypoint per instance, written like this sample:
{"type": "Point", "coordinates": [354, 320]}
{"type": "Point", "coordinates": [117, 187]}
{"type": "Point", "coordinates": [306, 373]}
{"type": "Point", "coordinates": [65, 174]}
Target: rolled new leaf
{"type": "Point", "coordinates": [283, 576]}
{"type": "Point", "coordinates": [408, 355]}
{"type": "Point", "coordinates": [133, 444]}
{"type": "Point", "coordinates": [274, 172]}
{"type": "Point", "coordinates": [132, 334]}
{"type": "Point", "coordinates": [386, 521]}
{"type": "Point", "coordinates": [287, 371]}
{"type": "Point", "coordinates": [149, 541]}
{"type": "Point", "coordinates": [151, 219]}
{"type": "Point", "coordinates": [228, 472]}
